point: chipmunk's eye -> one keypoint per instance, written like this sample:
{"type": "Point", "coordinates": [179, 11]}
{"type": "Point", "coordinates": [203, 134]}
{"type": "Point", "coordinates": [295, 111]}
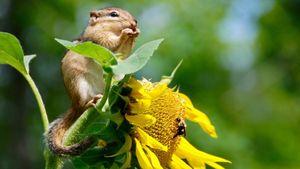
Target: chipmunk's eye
{"type": "Point", "coordinates": [114, 14]}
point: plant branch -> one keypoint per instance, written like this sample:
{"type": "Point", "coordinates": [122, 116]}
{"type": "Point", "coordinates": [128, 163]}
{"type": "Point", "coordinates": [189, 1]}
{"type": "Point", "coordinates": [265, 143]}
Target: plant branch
{"type": "Point", "coordinates": [103, 100]}
{"type": "Point", "coordinates": [39, 101]}
{"type": "Point", "coordinates": [51, 161]}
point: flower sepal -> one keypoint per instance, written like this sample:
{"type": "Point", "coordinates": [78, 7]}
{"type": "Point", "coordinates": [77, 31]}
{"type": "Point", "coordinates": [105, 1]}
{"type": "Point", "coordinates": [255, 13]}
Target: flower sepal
{"type": "Point", "coordinates": [168, 79]}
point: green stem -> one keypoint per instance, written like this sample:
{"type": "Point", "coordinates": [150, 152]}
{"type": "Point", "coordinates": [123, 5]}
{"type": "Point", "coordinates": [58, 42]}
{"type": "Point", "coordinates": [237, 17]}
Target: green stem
{"type": "Point", "coordinates": [103, 100]}
{"type": "Point", "coordinates": [52, 162]}
{"type": "Point", "coordinates": [71, 135]}
{"type": "Point", "coordinates": [39, 101]}
{"type": "Point", "coordinates": [121, 83]}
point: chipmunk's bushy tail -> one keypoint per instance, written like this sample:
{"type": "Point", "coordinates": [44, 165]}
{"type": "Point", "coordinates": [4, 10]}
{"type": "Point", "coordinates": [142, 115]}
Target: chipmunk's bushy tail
{"type": "Point", "coordinates": [56, 132]}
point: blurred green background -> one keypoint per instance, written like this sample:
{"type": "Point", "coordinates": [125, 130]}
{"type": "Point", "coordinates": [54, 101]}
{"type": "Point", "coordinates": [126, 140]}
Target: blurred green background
{"type": "Point", "coordinates": [241, 66]}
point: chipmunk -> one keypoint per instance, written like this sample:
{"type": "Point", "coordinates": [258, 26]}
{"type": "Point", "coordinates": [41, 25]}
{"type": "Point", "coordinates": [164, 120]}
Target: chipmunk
{"type": "Point", "coordinates": [112, 28]}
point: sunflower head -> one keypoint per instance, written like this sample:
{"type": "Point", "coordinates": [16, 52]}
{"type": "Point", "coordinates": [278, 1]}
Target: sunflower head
{"type": "Point", "coordinates": [157, 114]}
{"type": "Point", "coordinates": [163, 105]}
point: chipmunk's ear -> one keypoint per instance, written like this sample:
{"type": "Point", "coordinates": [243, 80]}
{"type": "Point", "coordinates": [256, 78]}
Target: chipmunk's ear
{"type": "Point", "coordinates": [94, 14]}
{"type": "Point", "coordinates": [93, 17]}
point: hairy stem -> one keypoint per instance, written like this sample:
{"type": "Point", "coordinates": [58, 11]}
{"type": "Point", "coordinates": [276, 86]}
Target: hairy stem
{"type": "Point", "coordinates": [52, 161]}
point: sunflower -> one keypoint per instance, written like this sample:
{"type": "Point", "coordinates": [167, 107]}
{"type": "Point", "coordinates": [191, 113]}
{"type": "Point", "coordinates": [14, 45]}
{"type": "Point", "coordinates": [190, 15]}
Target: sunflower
{"type": "Point", "coordinates": [157, 114]}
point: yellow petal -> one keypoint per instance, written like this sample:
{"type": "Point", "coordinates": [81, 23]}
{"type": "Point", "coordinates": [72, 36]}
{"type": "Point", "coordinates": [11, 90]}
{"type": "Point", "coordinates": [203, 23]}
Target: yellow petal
{"type": "Point", "coordinates": [202, 119]}
{"type": "Point", "coordinates": [133, 83]}
{"type": "Point", "coordinates": [138, 91]}
{"type": "Point", "coordinates": [150, 141]}
{"type": "Point", "coordinates": [186, 99]}
{"type": "Point", "coordinates": [140, 94]}
{"type": "Point", "coordinates": [158, 90]}
{"type": "Point", "coordinates": [140, 105]}
{"type": "Point", "coordinates": [153, 158]}
{"type": "Point", "coordinates": [197, 116]}
{"type": "Point", "coordinates": [141, 120]}
{"type": "Point", "coordinates": [127, 162]}
{"type": "Point", "coordinates": [176, 162]}
{"type": "Point", "coordinates": [173, 165]}
{"type": "Point", "coordinates": [215, 165]}
{"type": "Point", "coordinates": [196, 157]}
{"type": "Point", "coordinates": [197, 164]}
{"type": "Point", "coordinates": [141, 156]}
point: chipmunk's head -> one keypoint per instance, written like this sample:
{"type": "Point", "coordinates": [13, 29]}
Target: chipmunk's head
{"type": "Point", "coordinates": [113, 19]}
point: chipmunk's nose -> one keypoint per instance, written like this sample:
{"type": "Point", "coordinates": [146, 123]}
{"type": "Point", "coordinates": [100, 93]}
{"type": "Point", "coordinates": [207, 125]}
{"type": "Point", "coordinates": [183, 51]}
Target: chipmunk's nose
{"type": "Point", "coordinates": [133, 25]}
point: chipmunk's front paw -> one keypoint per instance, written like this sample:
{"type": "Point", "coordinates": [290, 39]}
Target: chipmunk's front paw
{"type": "Point", "coordinates": [130, 33]}
{"type": "Point", "coordinates": [93, 101]}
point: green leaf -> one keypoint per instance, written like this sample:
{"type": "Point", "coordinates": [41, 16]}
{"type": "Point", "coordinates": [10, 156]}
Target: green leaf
{"type": "Point", "coordinates": [127, 161]}
{"type": "Point", "coordinates": [95, 156]}
{"type": "Point", "coordinates": [125, 148]}
{"type": "Point", "coordinates": [114, 166]}
{"type": "Point", "coordinates": [138, 59]}
{"type": "Point", "coordinates": [8, 59]}
{"type": "Point", "coordinates": [118, 118]}
{"type": "Point", "coordinates": [11, 45]}
{"type": "Point", "coordinates": [115, 91]}
{"type": "Point", "coordinates": [79, 164]}
{"type": "Point", "coordinates": [11, 52]}
{"type": "Point", "coordinates": [102, 56]}
{"type": "Point", "coordinates": [97, 126]}
{"type": "Point", "coordinates": [27, 59]}
{"type": "Point", "coordinates": [108, 134]}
